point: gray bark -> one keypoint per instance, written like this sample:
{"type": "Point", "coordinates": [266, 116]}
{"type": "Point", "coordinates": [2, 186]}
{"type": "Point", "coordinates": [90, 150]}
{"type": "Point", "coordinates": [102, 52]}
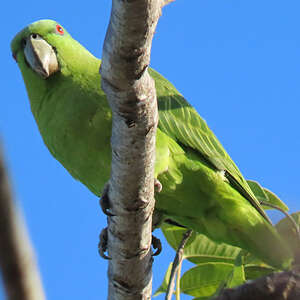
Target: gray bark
{"type": "Point", "coordinates": [19, 272]}
{"type": "Point", "coordinates": [277, 286]}
{"type": "Point", "coordinates": [131, 94]}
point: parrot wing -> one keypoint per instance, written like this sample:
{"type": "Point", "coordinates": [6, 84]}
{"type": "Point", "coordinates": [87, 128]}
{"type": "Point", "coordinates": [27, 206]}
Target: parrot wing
{"type": "Point", "coordinates": [179, 120]}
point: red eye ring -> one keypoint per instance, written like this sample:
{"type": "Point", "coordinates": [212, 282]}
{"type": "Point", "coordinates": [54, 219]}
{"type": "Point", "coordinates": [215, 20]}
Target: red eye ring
{"type": "Point", "coordinates": [59, 29]}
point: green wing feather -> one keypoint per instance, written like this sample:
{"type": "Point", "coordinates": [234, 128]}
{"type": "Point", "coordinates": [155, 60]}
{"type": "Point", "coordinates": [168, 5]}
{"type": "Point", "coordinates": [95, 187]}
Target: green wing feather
{"type": "Point", "coordinates": [179, 120]}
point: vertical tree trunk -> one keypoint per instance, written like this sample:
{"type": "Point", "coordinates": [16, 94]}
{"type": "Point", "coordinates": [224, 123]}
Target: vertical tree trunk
{"type": "Point", "coordinates": [132, 97]}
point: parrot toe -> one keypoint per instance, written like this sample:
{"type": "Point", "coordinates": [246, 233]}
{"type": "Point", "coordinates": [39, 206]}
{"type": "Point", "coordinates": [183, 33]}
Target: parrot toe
{"type": "Point", "coordinates": [156, 244]}
{"type": "Point", "coordinates": [104, 201]}
{"type": "Point", "coordinates": [102, 246]}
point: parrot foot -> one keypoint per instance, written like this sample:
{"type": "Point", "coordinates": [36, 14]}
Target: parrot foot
{"type": "Point", "coordinates": [104, 201]}
{"type": "Point", "coordinates": [102, 246]}
{"type": "Point", "coordinates": [157, 186]}
{"type": "Point", "coordinates": [156, 244]}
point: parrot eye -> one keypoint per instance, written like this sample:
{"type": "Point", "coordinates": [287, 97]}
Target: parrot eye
{"type": "Point", "coordinates": [59, 29]}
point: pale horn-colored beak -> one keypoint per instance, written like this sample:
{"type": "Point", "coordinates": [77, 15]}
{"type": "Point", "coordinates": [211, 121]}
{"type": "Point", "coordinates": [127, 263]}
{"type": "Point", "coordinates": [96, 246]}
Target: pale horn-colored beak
{"type": "Point", "coordinates": [40, 56]}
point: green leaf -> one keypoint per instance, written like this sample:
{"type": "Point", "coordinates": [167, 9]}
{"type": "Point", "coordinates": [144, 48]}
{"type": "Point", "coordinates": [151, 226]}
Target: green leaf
{"type": "Point", "coordinates": [274, 199]}
{"type": "Point", "coordinates": [250, 259]}
{"type": "Point", "coordinates": [289, 234]}
{"type": "Point", "coordinates": [199, 248]}
{"type": "Point", "coordinates": [237, 276]}
{"type": "Point", "coordinates": [174, 235]}
{"type": "Point", "coordinates": [205, 279]}
{"type": "Point", "coordinates": [265, 195]}
{"type": "Point", "coordinates": [164, 286]}
{"type": "Point", "coordinates": [256, 271]}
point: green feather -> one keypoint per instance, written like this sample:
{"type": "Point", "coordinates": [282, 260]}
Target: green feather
{"type": "Point", "coordinates": [202, 187]}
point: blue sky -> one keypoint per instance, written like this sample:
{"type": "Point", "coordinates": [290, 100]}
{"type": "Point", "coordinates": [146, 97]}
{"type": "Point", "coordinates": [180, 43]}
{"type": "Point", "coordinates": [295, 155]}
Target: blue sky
{"type": "Point", "coordinates": [237, 62]}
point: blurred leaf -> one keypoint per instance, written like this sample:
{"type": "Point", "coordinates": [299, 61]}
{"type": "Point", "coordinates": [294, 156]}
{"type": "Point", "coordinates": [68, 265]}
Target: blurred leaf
{"type": "Point", "coordinates": [164, 285]}
{"type": "Point", "coordinates": [199, 248]}
{"type": "Point", "coordinates": [205, 279]}
{"type": "Point", "coordinates": [237, 276]}
{"type": "Point", "coordinates": [265, 195]}
{"type": "Point", "coordinates": [256, 271]}
{"type": "Point", "coordinates": [250, 259]}
{"type": "Point", "coordinates": [289, 234]}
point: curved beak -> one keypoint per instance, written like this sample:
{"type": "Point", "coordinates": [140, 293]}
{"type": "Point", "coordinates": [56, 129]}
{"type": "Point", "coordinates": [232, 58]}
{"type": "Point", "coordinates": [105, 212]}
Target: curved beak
{"type": "Point", "coordinates": [40, 56]}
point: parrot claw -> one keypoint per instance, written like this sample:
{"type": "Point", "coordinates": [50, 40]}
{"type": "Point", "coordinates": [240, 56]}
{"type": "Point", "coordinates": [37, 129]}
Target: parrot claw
{"type": "Point", "coordinates": [156, 244]}
{"type": "Point", "coordinates": [102, 246]}
{"type": "Point", "coordinates": [104, 201]}
{"type": "Point", "coordinates": [157, 186]}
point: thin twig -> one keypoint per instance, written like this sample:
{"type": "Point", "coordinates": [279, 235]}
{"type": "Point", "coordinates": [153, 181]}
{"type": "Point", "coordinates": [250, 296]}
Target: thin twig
{"type": "Point", "coordinates": [177, 261]}
{"type": "Point", "coordinates": [178, 281]}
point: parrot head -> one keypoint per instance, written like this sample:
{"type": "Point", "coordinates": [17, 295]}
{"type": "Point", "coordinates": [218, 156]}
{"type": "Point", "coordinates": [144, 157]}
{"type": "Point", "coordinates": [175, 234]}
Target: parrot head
{"type": "Point", "coordinates": [35, 48]}
{"type": "Point", "coordinates": [45, 48]}
{"type": "Point", "coordinates": [48, 56]}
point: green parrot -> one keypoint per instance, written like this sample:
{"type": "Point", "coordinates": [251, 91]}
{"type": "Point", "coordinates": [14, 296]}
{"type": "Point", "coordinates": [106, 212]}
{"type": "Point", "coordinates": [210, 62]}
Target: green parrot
{"type": "Point", "coordinates": [202, 187]}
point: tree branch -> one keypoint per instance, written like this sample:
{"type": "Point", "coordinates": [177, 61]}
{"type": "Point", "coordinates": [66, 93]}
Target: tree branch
{"type": "Point", "coordinates": [176, 263]}
{"type": "Point", "coordinates": [131, 94]}
{"type": "Point", "coordinates": [277, 286]}
{"type": "Point", "coordinates": [20, 275]}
